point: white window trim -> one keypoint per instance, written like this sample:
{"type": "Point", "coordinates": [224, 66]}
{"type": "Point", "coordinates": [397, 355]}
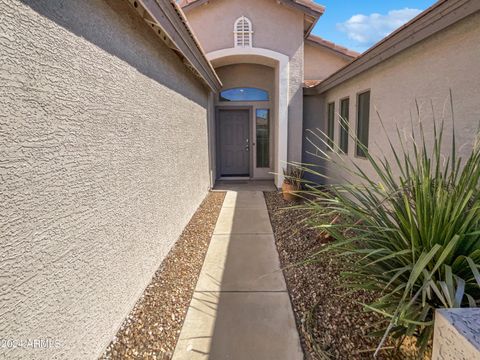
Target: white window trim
{"type": "Point", "coordinates": [243, 37]}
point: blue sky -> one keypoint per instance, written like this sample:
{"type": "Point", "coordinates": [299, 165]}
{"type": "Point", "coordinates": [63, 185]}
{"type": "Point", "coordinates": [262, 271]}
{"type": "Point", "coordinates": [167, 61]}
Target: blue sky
{"type": "Point", "coordinates": [358, 24]}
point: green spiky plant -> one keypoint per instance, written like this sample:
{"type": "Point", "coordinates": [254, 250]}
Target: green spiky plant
{"type": "Point", "coordinates": [413, 233]}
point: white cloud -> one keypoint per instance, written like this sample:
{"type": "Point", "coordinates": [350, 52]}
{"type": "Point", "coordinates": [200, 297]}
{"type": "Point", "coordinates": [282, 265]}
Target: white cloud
{"type": "Point", "coordinates": [366, 30]}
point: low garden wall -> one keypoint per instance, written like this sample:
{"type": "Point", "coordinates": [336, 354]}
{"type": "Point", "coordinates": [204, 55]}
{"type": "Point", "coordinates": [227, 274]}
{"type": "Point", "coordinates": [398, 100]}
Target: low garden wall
{"type": "Point", "coordinates": [457, 334]}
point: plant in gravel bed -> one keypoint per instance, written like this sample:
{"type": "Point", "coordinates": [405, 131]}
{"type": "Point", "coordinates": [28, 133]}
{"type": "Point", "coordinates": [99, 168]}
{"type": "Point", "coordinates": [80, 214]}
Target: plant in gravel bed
{"type": "Point", "coordinates": [413, 232]}
{"type": "Point", "coordinates": [292, 182]}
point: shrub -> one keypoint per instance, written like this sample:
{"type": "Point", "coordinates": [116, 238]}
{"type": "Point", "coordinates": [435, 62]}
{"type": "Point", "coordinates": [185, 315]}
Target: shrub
{"type": "Point", "coordinates": [413, 236]}
{"type": "Point", "coordinates": [293, 175]}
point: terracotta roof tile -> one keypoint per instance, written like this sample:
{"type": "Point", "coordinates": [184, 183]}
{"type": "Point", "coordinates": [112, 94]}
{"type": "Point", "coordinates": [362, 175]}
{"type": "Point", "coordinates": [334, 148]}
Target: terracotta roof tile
{"type": "Point", "coordinates": [311, 83]}
{"type": "Point", "coordinates": [181, 15]}
{"type": "Point", "coordinates": [311, 5]}
{"type": "Point", "coordinates": [332, 46]}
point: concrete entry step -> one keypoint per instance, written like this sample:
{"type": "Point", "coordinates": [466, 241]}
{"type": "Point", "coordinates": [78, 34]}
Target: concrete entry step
{"type": "Point", "coordinates": [240, 308]}
{"type": "Point", "coordinates": [246, 185]}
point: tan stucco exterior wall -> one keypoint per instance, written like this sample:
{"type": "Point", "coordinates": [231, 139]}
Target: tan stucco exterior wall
{"type": "Point", "coordinates": [276, 27]}
{"type": "Point", "coordinates": [247, 75]}
{"type": "Point", "coordinates": [320, 63]}
{"type": "Point", "coordinates": [104, 159]}
{"type": "Point", "coordinates": [425, 72]}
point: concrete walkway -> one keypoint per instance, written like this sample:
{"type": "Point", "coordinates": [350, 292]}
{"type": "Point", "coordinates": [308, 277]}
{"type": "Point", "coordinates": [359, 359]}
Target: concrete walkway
{"type": "Point", "coordinates": [240, 309]}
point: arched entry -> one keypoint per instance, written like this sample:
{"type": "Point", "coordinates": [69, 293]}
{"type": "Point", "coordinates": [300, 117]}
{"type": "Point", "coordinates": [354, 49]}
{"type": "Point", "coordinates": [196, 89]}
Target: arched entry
{"type": "Point", "coordinates": [279, 113]}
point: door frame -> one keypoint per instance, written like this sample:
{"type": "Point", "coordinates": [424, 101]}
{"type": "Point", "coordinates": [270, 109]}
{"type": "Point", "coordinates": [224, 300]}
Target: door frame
{"type": "Point", "coordinates": [217, 137]}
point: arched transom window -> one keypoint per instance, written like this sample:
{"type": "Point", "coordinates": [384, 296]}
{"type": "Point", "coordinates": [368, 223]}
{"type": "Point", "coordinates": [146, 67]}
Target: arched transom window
{"type": "Point", "coordinates": [244, 94]}
{"type": "Point", "coordinates": [243, 32]}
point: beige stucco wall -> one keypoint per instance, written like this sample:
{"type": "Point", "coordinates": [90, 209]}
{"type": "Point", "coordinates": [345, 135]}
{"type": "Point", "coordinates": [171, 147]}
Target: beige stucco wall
{"type": "Point", "coordinates": [247, 75]}
{"type": "Point", "coordinates": [425, 72]}
{"type": "Point", "coordinates": [104, 159]}
{"type": "Point", "coordinates": [276, 27]}
{"type": "Point", "coordinates": [320, 62]}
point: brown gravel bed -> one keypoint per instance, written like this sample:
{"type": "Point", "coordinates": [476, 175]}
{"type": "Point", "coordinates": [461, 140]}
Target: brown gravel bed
{"type": "Point", "coordinates": [331, 322]}
{"type": "Point", "coordinates": [152, 328]}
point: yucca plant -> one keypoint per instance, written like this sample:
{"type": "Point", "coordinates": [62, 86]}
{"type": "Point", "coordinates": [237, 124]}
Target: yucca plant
{"type": "Point", "coordinates": [413, 233]}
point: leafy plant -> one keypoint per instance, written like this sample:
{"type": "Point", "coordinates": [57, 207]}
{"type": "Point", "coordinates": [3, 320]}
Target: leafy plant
{"type": "Point", "coordinates": [293, 175]}
{"type": "Point", "coordinates": [413, 233]}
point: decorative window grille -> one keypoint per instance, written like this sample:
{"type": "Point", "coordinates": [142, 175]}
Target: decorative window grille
{"type": "Point", "coordinates": [243, 32]}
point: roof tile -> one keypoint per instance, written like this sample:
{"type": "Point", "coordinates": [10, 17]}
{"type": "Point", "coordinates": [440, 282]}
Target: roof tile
{"type": "Point", "coordinates": [328, 44]}
{"type": "Point", "coordinates": [311, 83]}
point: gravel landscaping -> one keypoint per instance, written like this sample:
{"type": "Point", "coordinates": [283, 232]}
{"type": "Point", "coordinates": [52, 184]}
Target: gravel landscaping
{"type": "Point", "coordinates": [152, 328]}
{"type": "Point", "coordinates": [330, 318]}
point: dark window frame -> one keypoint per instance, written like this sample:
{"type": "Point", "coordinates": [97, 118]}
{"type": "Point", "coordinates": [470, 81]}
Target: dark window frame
{"type": "Point", "coordinates": [363, 124]}
{"type": "Point", "coordinates": [344, 122]}
{"type": "Point", "coordinates": [330, 125]}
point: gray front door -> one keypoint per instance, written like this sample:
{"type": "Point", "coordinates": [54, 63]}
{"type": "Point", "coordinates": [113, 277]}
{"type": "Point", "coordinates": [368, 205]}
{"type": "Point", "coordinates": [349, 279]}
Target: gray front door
{"type": "Point", "coordinates": [233, 149]}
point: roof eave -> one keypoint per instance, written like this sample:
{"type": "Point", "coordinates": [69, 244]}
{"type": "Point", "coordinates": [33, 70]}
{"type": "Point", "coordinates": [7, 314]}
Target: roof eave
{"type": "Point", "coordinates": [166, 17]}
{"type": "Point", "coordinates": [312, 25]}
{"type": "Point", "coordinates": [313, 13]}
{"type": "Point", "coordinates": [194, 4]}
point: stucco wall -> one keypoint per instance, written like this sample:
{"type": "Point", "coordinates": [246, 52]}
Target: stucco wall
{"type": "Point", "coordinates": [320, 62]}
{"type": "Point", "coordinates": [456, 334]}
{"type": "Point", "coordinates": [276, 27]}
{"type": "Point", "coordinates": [247, 75]}
{"type": "Point", "coordinates": [104, 159]}
{"type": "Point", "coordinates": [425, 72]}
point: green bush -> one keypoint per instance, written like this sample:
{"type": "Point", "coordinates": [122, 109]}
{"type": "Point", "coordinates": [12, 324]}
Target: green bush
{"type": "Point", "coordinates": [413, 234]}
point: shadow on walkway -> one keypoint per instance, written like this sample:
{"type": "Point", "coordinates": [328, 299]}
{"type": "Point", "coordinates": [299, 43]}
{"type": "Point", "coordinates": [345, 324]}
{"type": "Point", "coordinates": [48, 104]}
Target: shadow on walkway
{"type": "Point", "coordinates": [241, 308]}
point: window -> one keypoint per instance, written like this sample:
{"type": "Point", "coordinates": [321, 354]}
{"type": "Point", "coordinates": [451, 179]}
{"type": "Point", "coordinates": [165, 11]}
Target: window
{"type": "Point", "coordinates": [263, 138]}
{"type": "Point", "coordinates": [344, 124]}
{"type": "Point", "coordinates": [363, 120]}
{"type": "Point", "coordinates": [330, 125]}
{"type": "Point", "coordinates": [243, 32]}
{"type": "Point", "coordinates": [244, 94]}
